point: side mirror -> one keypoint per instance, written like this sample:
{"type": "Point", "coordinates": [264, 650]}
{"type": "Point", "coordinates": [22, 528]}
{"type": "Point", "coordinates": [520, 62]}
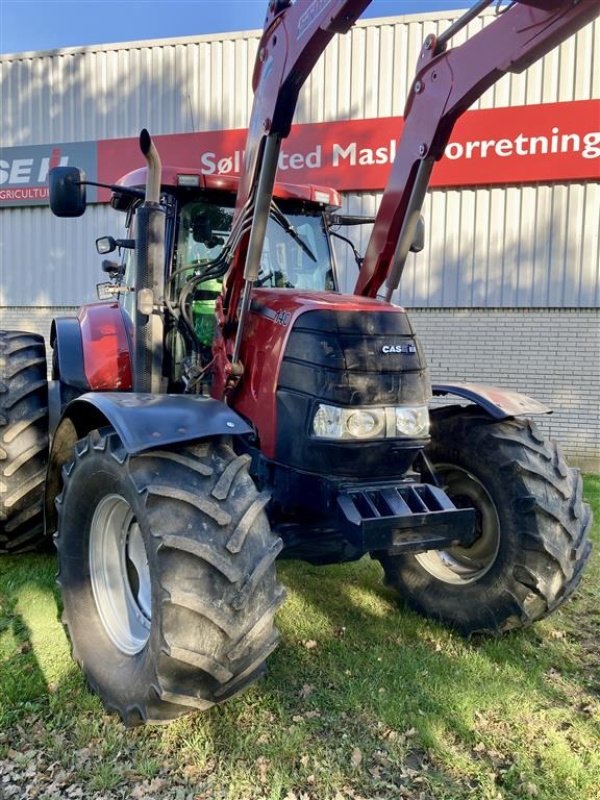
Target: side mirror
{"type": "Point", "coordinates": [66, 191]}
{"type": "Point", "coordinates": [418, 242]}
{"type": "Point", "coordinates": [202, 231]}
{"type": "Point", "coordinates": [201, 228]}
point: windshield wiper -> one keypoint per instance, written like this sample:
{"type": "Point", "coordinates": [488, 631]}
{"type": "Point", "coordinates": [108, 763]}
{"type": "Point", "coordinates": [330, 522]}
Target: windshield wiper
{"type": "Point", "coordinates": [280, 218]}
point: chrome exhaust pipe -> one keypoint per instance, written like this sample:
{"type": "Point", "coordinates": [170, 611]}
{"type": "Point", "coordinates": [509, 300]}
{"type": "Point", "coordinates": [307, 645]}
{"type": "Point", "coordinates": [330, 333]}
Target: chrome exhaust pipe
{"type": "Point", "coordinates": [154, 163]}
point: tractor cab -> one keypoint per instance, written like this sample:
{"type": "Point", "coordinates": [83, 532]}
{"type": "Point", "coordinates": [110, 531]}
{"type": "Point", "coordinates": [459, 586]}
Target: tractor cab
{"type": "Point", "coordinates": [297, 253]}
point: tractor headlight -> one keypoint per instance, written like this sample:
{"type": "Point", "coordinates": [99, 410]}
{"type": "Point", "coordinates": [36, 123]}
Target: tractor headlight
{"type": "Point", "coordinates": [412, 421]}
{"type": "Point", "coordinates": [334, 422]}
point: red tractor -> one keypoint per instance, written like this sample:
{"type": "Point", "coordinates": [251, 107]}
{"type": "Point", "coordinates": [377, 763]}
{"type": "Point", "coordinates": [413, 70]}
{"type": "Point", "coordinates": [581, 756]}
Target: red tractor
{"type": "Point", "coordinates": [227, 406]}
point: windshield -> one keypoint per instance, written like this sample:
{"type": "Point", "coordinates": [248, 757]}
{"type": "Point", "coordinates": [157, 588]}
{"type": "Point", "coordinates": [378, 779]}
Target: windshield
{"type": "Point", "coordinates": [296, 254]}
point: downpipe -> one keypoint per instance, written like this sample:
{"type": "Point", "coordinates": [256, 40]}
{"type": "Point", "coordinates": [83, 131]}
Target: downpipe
{"type": "Point", "coordinates": [148, 325]}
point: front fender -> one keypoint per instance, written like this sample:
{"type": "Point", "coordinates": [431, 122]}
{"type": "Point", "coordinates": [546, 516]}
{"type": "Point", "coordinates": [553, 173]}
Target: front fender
{"type": "Point", "coordinates": [498, 403]}
{"type": "Point", "coordinates": [142, 422]}
{"type": "Point", "coordinates": [145, 421]}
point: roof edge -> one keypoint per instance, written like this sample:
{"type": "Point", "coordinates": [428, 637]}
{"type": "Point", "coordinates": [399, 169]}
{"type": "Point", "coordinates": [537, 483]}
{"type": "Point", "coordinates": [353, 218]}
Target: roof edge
{"type": "Point", "coordinates": [432, 16]}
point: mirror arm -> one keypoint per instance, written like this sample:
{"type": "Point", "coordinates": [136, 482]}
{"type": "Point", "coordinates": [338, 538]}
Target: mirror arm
{"type": "Point", "coordinates": [114, 187]}
{"type": "Point", "coordinates": [349, 219]}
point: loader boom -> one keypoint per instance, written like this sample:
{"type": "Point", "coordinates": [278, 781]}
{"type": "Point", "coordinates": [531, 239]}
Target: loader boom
{"type": "Point", "coordinates": [447, 82]}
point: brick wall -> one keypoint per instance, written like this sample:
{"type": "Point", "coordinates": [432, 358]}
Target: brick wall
{"type": "Point", "coordinates": [550, 354]}
{"type": "Point", "coordinates": [36, 320]}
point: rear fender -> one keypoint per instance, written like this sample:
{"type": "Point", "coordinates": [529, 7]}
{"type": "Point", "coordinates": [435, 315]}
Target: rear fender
{"type": "Point", "coordinates": [67, 361]}
{"type": "Point", "coordinates": [498, 403]}
{"type": "Point", "coordinates": [92, 350]}
{"type": "Point", "coordinates": [142, 422]}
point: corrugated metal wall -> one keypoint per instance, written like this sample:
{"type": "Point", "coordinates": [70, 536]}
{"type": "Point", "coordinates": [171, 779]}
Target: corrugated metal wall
{"type": "Point", "coordinates": [170, 86]}
{"type": "Point", "coordinates": [517, 247]}
{"type": "Point", "coordinates": [47, 261]}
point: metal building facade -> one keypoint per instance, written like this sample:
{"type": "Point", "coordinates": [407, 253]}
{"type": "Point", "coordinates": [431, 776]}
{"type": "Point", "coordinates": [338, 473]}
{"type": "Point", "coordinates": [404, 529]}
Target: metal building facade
{"type": "Point", "coordinates": [522, 247]}
{"type": "Point", "coordinates": [490, 247]}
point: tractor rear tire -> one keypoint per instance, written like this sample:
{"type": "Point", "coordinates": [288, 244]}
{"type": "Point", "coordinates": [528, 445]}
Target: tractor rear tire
{"type": "Point", "coordinates": [23, 440]}
{"type": "Point", "coordinates": [167, 573]}
{"type": "Point", "coordinates": [532, 528]}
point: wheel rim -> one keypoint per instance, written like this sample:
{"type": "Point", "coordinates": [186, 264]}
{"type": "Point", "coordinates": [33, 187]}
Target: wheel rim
{"type": "Point", "coordinates": [120, 575]}
{"type": "Point", "coordinates": [463, 565]}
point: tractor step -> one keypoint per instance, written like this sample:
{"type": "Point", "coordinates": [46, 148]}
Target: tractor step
{"type": "Point", "coordinates": [407, 518]}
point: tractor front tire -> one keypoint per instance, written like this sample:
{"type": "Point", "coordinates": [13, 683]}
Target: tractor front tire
{"type": "Point", "coordinates": [531, 525]}
{"type": "Point", "coordinates": [23, 440]}
{"type": "Point", "coordinates": [166, 567]}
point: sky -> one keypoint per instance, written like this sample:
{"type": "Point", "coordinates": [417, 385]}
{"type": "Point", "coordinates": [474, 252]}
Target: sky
{"type": "Point", "coordinates": [27, 25]}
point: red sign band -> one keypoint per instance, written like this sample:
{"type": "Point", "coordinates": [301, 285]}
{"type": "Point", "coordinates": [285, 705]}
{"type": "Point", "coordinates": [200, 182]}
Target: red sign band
{"type": "Point", "coordinates": [524, 144]}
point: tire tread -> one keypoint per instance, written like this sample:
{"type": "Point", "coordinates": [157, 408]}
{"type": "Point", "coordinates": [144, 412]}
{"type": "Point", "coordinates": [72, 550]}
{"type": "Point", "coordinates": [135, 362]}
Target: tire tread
{"type": "Point", "coordinates": [217, 607]}
{"type": "Point", "coordinates": [545, 518]}
{"type": "Point", "coordinates": [23, 440]}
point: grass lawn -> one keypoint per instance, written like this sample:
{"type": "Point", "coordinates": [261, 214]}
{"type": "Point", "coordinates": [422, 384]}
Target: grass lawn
{"type": "Point", "coordinates": [363, 700]}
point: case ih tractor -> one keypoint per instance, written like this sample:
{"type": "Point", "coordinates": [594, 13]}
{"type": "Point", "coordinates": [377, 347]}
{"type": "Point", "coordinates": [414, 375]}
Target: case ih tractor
{"type": "Point", "coordinates": [227, 406]}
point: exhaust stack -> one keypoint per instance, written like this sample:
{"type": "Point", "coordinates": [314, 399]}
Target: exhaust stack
{"type": "Point", "coordinates": [153, 161]}
{"type": "Point", "coordinates": [149, 277]}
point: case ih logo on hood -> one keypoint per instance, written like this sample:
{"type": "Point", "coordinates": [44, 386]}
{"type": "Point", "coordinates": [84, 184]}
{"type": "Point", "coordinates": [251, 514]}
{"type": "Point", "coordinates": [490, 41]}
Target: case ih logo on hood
{"type": "Point", "coordinates": [406, 349]}
{"type": "Point", "coordinates": [24, 170]}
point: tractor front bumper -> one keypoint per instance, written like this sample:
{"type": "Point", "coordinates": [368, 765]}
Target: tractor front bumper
{"type": "Point", "coordinates": [411, 517]}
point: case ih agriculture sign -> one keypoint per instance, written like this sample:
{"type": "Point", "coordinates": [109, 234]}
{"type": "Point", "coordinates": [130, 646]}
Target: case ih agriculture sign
{"type": "Point", "coordinates": [24, 170]}
{"type": "Point", "coordinates": [527, 144]}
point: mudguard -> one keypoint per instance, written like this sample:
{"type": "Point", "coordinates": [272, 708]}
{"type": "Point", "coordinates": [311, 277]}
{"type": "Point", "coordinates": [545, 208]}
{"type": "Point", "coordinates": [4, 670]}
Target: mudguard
{"type": "Point", "coordinates": [65, 340]}
{"type": "Point", "coordinates": [142, 421]}
{"type": "Point", "coordinates": [498, 403]}
{"type": "Point", "coordinates": [92, 350]}
{"type": "Point", "coordinates": [146, 421]}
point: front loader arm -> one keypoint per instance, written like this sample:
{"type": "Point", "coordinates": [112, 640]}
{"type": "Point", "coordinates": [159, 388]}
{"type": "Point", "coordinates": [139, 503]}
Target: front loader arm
{"type": "Point", "coordinates": [446, 84]}
{"type": "Point", "coordinates": [294, 37]}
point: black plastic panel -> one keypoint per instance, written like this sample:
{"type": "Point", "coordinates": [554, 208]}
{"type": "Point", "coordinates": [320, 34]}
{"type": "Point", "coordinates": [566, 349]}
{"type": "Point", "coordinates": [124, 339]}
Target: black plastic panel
{"type": "Point", "coordinates": [65, 339]}
{"type": "Point", "coordinates": [146, 421]}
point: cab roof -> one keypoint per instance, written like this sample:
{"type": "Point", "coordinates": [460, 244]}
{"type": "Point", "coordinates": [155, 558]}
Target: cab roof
{"type": "Point", "coordinates": [182, 177]}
